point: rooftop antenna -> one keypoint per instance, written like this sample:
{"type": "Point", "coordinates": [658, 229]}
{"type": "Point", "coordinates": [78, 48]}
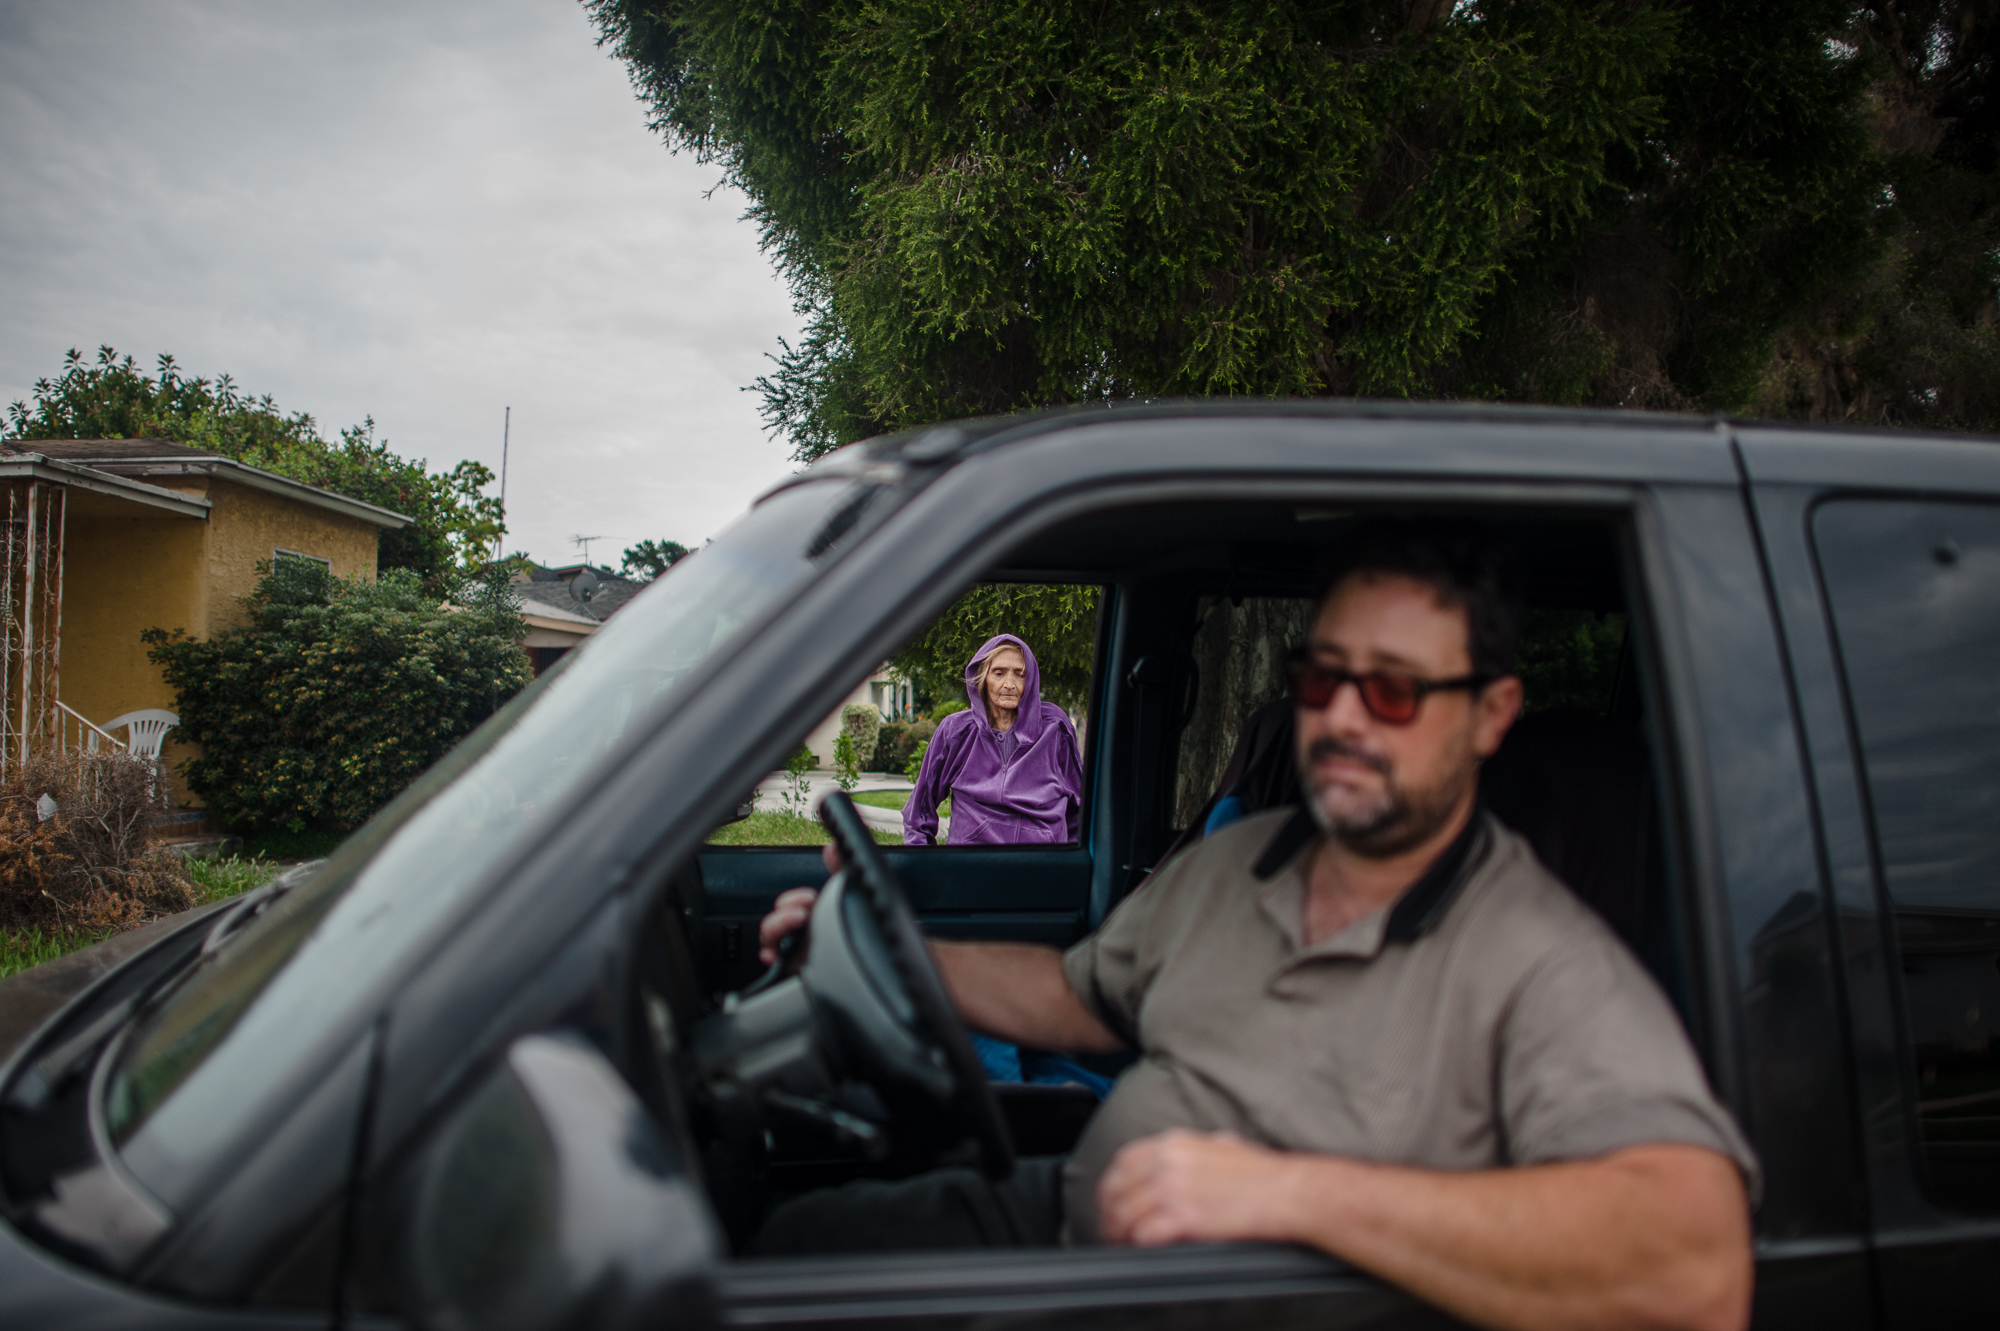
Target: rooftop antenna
{"type": "Point", "coordinates": [583, 543]}
{"type": "Point", "coordinates": [506, 429]}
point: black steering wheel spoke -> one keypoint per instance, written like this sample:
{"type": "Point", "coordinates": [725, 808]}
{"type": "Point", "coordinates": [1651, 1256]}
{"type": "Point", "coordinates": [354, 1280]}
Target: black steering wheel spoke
{"type": "Point", "coordinates": [935, 1023]}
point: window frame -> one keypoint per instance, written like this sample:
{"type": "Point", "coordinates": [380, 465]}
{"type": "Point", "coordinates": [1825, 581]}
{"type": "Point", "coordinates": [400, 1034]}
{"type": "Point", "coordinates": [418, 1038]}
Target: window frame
{"type": "Point", "coordinates": [1685, 811]}
{"type": "Point", "coordinates": [279, 552]}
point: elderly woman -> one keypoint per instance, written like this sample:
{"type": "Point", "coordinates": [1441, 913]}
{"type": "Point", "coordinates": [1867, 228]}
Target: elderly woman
{"type": "Point", "coordinates": [1009, 763]}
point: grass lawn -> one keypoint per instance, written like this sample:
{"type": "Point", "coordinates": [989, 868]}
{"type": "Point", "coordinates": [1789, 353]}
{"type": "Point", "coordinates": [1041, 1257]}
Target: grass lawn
{"type": "Point", "coordinates": [769, 828]}
{"type": "Point", "coordinates": [230, 876]}
{"type": "Point", "coordinates": [213, 880]}
{"type": "Point", "coordinates": [893, 799]}
{"type": "Point", "coordinates": [32, 947]}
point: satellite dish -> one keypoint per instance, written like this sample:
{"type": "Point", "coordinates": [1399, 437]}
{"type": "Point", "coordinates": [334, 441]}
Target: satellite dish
{"type": "Point", "coordinates": [584, 586]}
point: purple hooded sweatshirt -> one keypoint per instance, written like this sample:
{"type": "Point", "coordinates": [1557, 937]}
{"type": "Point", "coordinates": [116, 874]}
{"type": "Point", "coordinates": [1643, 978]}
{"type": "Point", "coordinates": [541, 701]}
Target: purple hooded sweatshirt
{"type": "Point", "coordinates": [1023, 785]}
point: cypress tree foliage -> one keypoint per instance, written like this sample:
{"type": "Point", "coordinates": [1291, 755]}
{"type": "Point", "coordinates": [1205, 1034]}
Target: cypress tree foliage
{"type": "Point", "coordinates": [1914, 340]}
{"type": "Point", "coordinates": [1783, 207]}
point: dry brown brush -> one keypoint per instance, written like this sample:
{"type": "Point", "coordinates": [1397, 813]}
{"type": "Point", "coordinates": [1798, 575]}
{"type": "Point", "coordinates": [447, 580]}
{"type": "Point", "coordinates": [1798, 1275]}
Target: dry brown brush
{"type": "Point", "coordinates": [78, 845]}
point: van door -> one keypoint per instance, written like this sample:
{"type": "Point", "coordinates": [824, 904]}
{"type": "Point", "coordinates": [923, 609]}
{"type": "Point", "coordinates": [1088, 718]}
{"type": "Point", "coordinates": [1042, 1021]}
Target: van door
{"type": "Point", "coordinates": [1773, 1021]}
{"type": "Point", "coordinates": [1891, 601]}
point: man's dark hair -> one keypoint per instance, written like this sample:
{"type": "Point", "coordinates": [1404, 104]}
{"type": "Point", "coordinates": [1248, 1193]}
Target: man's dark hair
{"type": "Point", "coordinates": [1462, 561]}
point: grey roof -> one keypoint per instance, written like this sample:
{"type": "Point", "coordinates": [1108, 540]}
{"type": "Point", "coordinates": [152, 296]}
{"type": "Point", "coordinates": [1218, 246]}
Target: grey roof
{"type": "Point", "coordinates": [163, 457]}
{"type": "Point", "coordinates": [40, 466]}
{"type": "Point", "coordinates": [550, 587]}
{"type": "Point", "coordinates": [106, 450]}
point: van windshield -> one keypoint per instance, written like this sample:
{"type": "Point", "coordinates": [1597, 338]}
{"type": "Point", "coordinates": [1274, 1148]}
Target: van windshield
{"type": "Point", "coordinates": [273, 999]}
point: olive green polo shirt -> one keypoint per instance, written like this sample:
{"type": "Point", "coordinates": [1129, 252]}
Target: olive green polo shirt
{"type": "Point", "coordinates": [1486, 1018]}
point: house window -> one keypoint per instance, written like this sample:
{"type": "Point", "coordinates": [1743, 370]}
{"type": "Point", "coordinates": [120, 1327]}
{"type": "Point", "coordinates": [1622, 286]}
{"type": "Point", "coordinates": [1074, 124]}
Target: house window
{"type": "Point", "coordinates": [541, 658]}
{"type": "Point", "coordinates": [278, 555]}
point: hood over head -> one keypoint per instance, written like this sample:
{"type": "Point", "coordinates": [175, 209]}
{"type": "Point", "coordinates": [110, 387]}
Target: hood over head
{"type": "Point", "coordinates": [1028, 720]}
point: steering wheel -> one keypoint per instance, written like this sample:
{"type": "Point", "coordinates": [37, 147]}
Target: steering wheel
{"type": "Point", "coordinates": [925, 1011]}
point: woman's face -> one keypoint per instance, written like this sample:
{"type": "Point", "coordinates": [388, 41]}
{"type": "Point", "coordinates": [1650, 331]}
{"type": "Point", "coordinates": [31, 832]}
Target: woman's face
{"type": "Point", "coordinates": [1006, 676]}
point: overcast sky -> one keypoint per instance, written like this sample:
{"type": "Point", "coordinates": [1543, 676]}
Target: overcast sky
{"type": "Point", "coordinates": [421, 212]}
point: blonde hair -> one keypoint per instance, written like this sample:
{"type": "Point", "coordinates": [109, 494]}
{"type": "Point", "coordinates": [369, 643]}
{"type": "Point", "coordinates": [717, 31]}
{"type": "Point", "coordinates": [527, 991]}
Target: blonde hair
{"type": "Point", "coordinates": [986, 664]}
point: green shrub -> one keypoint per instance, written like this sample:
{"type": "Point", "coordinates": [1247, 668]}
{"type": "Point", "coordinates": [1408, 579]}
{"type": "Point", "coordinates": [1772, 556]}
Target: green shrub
{"type": "Point", "coordinates": [948, 706]}
{"type": "Point", "coordinates": [797, 793]}
{"type": "Point", "coordinates": [898, 740]}
{"type": "Point", "coordinates": [336, 694]}
{"type": "Point", "coordinates": [846, 767]}
{"type": "Point", "coordinates": [863, 723]}
{"type": "Point", "coordinates": [282, 843]}
{"type": "Point", "coordinates": [915, 767]}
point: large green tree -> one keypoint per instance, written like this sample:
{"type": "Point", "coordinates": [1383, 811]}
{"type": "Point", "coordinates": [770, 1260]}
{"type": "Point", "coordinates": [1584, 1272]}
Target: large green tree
{"type": "Point", "coordinates": [111, 398]}
{"type": "Point", "coordinates": [649, 559]}
{"type": "Point", "coordinates": [1059, 624]}
{"type": "Point", "coordinates": [1784, 207]}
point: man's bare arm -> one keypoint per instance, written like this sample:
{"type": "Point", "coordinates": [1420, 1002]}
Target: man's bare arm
{"type": "Point", "coordinates": [1012, 991]}
{"type": "Point", "coordinates": [1018, 992]}
{"type": "Point", "coordinates": [1649, 1236]}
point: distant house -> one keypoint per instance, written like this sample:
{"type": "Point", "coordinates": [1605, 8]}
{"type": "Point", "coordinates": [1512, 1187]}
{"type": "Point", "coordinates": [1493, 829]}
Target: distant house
{"type": "Point", "coordinates": [108, 537]}
{"type": "Point", "coordinates": [562, 607]}
{"type": "Point", "coordinates": [886, 691]}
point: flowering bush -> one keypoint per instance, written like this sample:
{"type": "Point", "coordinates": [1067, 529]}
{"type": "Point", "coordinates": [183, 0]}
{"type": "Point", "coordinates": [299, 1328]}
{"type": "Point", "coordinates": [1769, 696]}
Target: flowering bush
{"type": "Point", "coordinates": [336, 694]}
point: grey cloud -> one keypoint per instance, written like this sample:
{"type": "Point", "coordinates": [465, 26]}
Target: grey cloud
{"type": "Point", "coordinates": [420, 212]}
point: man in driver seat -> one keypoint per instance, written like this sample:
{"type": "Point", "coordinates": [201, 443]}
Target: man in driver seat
{"type": "Point", "coordinates": [1373, 1024]}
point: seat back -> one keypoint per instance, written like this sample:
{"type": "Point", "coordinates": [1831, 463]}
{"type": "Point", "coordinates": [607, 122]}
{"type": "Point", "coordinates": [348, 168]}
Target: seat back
{"type": "Point", "coordinates": [145, 729]}
{"type": "Point", "coordinates": [1578, 787]}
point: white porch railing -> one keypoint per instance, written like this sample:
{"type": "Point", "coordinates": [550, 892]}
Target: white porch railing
{"type": "Point", "coordinates": [76, 734]}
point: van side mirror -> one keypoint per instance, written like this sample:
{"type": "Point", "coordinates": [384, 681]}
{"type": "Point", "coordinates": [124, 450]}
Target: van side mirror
{"type": "Point", "coordinates": [552, 1199]}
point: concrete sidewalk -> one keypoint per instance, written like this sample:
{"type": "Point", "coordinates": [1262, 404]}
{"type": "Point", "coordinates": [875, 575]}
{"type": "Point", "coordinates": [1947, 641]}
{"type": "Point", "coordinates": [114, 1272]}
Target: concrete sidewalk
{"type": "Point", "coordinates": [820, 783]}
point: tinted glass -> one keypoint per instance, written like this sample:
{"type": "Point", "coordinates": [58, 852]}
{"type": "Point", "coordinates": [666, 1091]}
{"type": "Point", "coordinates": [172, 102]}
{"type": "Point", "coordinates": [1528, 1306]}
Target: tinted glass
{"type": "Point", "coordinates": [1915, 591]}
{"type": "Point", "coordinates": [253, 1017]}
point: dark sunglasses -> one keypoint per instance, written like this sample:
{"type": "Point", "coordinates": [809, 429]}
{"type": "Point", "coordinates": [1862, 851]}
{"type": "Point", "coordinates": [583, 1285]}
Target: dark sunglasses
{"type": "Point", "coordinates": [1390, 696]}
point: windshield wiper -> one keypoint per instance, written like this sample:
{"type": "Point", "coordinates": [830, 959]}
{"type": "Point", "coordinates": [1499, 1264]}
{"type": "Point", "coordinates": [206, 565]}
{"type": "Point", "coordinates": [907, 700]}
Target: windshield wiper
{"type": "Point", "coordinates": [253, 903]}
{"type": "Point", "coordinates": [36, 1086]}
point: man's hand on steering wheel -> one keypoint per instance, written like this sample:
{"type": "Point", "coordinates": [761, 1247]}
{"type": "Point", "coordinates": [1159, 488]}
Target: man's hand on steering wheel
{"type": "Point", "coordinates": [789, 914]}
{"type": "Point", "coordinates": [791, 911]}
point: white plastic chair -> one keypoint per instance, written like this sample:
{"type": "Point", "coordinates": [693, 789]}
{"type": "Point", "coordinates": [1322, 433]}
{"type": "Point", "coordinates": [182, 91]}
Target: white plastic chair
{"type": "Point", "coordinates": [144, 729]}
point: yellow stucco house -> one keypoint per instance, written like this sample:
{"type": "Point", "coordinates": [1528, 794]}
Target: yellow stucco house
{"type": "Point", "coordinates": [109, 537]}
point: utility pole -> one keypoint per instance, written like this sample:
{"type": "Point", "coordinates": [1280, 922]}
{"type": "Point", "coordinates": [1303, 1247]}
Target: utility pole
{"type": "Point", "coordinates": [506, 429]}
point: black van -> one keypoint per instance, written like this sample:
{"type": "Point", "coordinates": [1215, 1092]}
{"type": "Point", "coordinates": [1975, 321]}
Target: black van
{"type": "Point", "coordinates": [476, 1069]}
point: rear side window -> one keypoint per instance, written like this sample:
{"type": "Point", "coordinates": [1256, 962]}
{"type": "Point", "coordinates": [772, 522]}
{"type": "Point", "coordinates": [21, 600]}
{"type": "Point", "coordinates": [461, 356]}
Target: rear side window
{"type": "Point", "coordinates": [1915, 594]}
